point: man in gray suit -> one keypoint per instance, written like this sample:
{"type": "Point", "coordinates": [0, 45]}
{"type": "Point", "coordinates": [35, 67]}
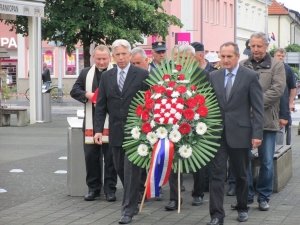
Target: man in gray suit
{"type": "Point", "coordinates": [240, 99]}
{"type": "Point", "coordinates": [117, 88]}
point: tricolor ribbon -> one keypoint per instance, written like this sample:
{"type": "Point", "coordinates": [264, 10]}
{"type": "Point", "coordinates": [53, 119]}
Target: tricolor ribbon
{"type": "Point", "coordinates": [160, 166]}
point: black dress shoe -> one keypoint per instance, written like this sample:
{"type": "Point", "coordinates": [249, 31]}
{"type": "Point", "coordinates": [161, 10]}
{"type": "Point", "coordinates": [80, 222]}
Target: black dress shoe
{"type": "Point", "coordinates": [125, 220]}
{"type": "Point", "coordinates": [215, 221]}
{"type": "Point", "coordinates": [197, 201]}
{"type": "Point", "coordinates": [92, 195]}
{"type": "Point", "coordinates": [172, 205]}
{"type": "Point", "coordinates": [111, 197]}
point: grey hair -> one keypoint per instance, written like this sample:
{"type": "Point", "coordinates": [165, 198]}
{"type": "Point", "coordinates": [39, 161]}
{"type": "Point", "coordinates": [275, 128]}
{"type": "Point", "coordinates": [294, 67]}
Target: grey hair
{"type": "Point", "coordinates": [186, 48]}
{"type": "Point", "coordinates": [139, 50]}
{"type": "Point", "coordinates": [234, 45]}
{"type": "Point", "coordinates": [260, 35]}
{"type": "Point", "coordinates": [281, 50]}
{"type": "Point", "coordinates": [120, 43]}
{"type": "Point", "coordinates": [101, 48]}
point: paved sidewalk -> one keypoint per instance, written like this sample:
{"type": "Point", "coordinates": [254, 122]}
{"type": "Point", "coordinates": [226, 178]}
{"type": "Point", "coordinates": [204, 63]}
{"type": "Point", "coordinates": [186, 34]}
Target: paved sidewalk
{"type": "Point", "coordinates": [54, 207]}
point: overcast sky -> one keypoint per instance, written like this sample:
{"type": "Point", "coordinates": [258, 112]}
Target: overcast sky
{"type": "Point", "coordinates": [291, 4]}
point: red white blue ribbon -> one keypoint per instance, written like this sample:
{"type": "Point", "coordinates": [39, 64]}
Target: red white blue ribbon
{"type": "Point", "coordinates": [160, 166]}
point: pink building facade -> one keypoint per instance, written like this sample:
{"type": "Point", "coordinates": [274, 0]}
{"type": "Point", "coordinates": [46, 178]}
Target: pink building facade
{"type": "Point", "coordinates": [211, 22]}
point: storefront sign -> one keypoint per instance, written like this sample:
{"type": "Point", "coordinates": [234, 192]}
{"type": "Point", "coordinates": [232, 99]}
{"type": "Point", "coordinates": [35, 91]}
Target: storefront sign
{"type": "Point", "coordinates": [8, 42]}
{"type": "Point", "coordinates": [182, 38]}
{"type": "Point", "coordinates": [22, 8]}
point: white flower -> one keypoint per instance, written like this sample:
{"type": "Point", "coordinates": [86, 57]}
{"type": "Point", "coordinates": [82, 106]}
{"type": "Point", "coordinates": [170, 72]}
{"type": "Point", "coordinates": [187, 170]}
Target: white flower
{"type": "Point", "coordinates": [185, 151]}
{"type": "Point", "coordinates": [161, 120]}
{"type": "Point", "coordinates": [157, 106]}
{"type": "Point", "coordinates": [167, 114]}
{"type": "Point", "coordinates": [168, 106]}
{"type": "Point", "coordinates": [170, 88]}
{"type": "Point", "coordinates": [164, 101]}
{"type": "Point", "coordinates": [189, 93]}
{"type": "Point", "coordinates": [162, 110]}
{"type": "Point", "coordinates": [174, 71]}
{"type": "Point", "coordinates": [174, 100]}
{"type": "Point", "coordinates": [178, 115]}
{"type": "Point", "coordinates": [152, 138]}
{"type": "Point", "coordinates": [161, 132]}
{"type": "Point", "coordinates": [175, 94]}
{"type": "Point", "coordinates": [152, 123]}
{"type": "Point", "coordinates": [173, 111]}
{"type": "Point", "coordinates": [170, 120]}
{"type": "Point", "coordinates": [175, 136]}
{"type": "Point", "coordinates": [179, 106]}
{"type": "Point", "coordinates": [175, 127]}
{"type": "Point", "coordinates": [135, 133]}
{"type": "Point", "coordinates": [142, 150]}
{"type": "Point", "coordinates": [156, 96]}
{"type": "Point", "coordinates": [156, 115]}
{"type": "Point", "coordinates": [196, 116]}
{"type": "Point", "coordinates": [201, 128]}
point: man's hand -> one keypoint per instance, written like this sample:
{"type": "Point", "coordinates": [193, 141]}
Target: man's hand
{"type": "Point", "coordinates": [98, 138]}
{"type": "Point", "coordinates": [89, 95]}
{"type": "Point", "coordinates": [292, 106]}
{"type": "Point", "coordinates": [256, 143]}
{"type": "Point", "coordinates": [283, 123]}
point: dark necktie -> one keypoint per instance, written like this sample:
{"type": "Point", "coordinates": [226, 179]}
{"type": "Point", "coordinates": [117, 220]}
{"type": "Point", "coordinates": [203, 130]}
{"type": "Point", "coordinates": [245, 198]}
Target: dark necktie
{"type": "Point", "coordinates": [228, 85]}
{"type": "Point", "coordinates": [121, 80]}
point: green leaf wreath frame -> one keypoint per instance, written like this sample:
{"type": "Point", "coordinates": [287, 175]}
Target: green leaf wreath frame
{"type": "Point", "coordinates": [204, 147]}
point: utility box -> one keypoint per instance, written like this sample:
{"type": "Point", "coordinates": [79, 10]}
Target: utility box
{"type": "Point", "coordinates": [46, 107]}
{"type": "Point", "coordinates": [76, 179]}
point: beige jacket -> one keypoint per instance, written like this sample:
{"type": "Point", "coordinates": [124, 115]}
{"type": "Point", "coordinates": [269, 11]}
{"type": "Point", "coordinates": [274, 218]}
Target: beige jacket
{"type": "Point", "coordinates": [273, 81]}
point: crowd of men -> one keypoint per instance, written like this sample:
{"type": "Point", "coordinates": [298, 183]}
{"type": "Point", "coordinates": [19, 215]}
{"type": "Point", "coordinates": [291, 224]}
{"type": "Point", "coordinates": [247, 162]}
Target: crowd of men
{"type": "Point", "coordinates": [255, 97]}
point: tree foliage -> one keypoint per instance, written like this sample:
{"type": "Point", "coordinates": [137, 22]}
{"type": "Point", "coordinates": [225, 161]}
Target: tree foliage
{"type": "Point", "coordinates": [293, 48]}
{"type": "Point", "coordinates": [100, 21]}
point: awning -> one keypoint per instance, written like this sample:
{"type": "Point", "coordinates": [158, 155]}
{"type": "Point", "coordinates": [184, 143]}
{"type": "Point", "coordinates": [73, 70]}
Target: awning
{"type": "Point", "coordinates": [34, 8]}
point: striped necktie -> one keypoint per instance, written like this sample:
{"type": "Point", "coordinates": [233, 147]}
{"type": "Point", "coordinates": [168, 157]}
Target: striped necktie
{"type": "Point", "coordinates": [228, 85]}
{"type": "Point", "coordinates": [121, 80]}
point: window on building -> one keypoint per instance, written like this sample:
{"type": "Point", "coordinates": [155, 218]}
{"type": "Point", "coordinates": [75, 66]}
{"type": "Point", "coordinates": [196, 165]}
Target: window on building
{"type": "Point", "coordinates": [231, 15]}
{"type": "Point", "coordinates": [217, 14]}
{"type": "Point", "coordinates": [225, 14]}
{"type": "Point", "coordinates": [212, 11]}
{"type": "Point", "coordinates": [206, 10]}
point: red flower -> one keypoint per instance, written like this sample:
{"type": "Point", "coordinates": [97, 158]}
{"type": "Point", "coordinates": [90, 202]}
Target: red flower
{"type": "Point", "coordinates": [178, 67]}
{"type": "Point", "coordinates": [145, 115]}
{"type": "Point", "coordinates": [181, 76]}
{"type": "Point", "coordinates": [191, 102]}
{"type": "Point", "coordinates": [171, 83]}
{"type": "Point", "coordinates": [202, 110]}
{"type": "Point", "coordinates": [180, 100]}
{"type": "Point", "coordinates": [200, 99]}
{"type": "Point", "coordinates": [169, 92]}
{"type": "Point", "coordinates": [149, 103]}
{"type": "Point", "coordinates": [166, 77]}
{"type": "Point", "coordinates": [158, 101]}
{"type": "Point", "coordinates": [193, 87]}
{"type": "Point", "coordinates": [181, 89]}
{"type": "Point", "coordinates": [184, 128]}
{"type": "Point", "coordinates": [139, 109]}
{"type": "Point", "coordinates": [146, 128]}
{"type": "Point", "coordinates": [188, 114]}
{"type": "Point", "coordinates": [158, 89]}
{"type": "Point", "coordinates": [147, 94]}
{"type": "Point", "coordinates": [156, 111]}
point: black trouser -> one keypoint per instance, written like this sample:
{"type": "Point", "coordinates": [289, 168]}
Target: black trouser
{"type": "Point", "coordinates": [130, 176]}
{"type": "Point", "coordinates": [94, 155]}
{"type": "Point", "coordinates": [239, 158]}
{"type": "Point", "coordinates": [199, 184]}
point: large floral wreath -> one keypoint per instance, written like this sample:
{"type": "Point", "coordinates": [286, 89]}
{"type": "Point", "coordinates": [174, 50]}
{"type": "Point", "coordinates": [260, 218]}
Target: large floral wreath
{"type": "Point", "coordinates": [181, 107]}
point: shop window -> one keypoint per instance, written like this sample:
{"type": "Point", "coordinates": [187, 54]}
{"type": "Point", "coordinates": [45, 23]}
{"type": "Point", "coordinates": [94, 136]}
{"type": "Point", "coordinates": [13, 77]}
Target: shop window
{"type": "Point", "coordinates": [48, 59]}
{"type": "Point", "coordinates": [71, 64]}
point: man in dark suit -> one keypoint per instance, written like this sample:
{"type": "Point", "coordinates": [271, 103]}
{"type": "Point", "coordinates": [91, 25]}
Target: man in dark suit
{"type": "Point", "coordinates": [117, 88]}
{"type": "Point", "coordinates": [93, 152]}
{"type": "Point", "coordinates": [240, 99]}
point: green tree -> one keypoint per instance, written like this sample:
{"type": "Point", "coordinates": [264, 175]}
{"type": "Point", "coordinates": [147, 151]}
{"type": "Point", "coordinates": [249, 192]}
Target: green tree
{"type": "Point", "coordinates": [293, 48]}
{"type": "Point", "coordinates": [100, 21]}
